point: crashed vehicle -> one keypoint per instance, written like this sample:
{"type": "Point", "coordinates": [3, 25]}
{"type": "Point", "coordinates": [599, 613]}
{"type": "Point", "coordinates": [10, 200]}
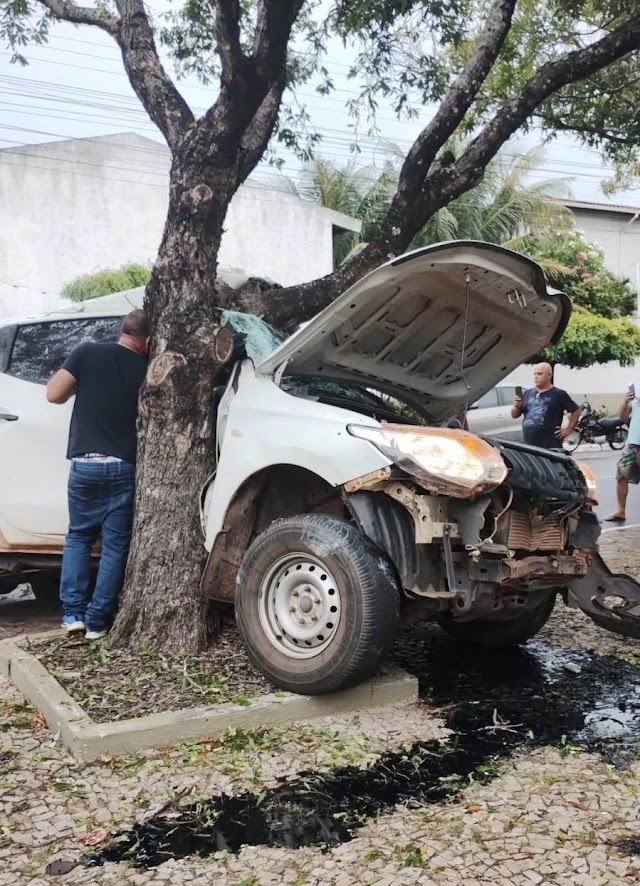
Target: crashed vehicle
{"type": "Point", "coordinates": [341, 501]}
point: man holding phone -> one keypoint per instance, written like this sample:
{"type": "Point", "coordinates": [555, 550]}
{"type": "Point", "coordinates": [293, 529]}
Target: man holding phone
{"type": "Point", "coordinates": [543, 408]}
{"type": "Point", "coordinates": [629, 463]}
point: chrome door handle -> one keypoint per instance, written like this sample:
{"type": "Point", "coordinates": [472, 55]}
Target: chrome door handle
{"type": "Point", "coordinates": [7, 416]}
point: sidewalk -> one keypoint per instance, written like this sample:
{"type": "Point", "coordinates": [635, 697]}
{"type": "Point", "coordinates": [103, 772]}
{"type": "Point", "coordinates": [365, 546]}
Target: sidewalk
{"type": "Point", "coordinates": [547, 815]}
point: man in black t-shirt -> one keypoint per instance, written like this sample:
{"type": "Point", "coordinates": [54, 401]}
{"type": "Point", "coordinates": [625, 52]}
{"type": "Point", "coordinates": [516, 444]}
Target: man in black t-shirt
{"type": "Point", "coordinates": [106, 379]}
{"type": "Point", "coordinates": [543, 408]}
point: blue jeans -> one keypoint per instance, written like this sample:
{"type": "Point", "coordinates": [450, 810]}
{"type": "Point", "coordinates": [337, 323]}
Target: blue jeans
{"type": "Point", "coordinates": [100, 501]}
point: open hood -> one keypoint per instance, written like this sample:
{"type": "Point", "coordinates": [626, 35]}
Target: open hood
{"type": "Point", "coordinates": [403, 328]}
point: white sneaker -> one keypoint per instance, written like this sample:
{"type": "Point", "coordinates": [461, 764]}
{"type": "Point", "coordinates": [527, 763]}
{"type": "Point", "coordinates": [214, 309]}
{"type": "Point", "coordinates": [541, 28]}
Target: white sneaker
{"type": "Point", "coordinates": [94, 635]}
{"type": "Point", "coordinates": [72, 624]}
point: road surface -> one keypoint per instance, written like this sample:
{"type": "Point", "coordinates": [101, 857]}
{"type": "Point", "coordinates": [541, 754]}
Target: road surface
{"type": "Point", "coordinates": [603, 464]}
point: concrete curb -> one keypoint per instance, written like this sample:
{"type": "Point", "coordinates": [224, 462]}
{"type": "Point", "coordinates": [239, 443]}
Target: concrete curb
{"type": "Point", "coordinates": [88, 740]}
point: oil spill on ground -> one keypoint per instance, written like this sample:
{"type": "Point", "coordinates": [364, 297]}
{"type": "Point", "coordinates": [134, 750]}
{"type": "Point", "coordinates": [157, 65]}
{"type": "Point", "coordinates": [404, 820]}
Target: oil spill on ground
{"type": "Point", "coordinates": [629, 847]}
{"type": "Point", "coordinates": [495, 704]}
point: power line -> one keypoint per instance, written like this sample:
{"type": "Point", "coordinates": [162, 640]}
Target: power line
{"type": "Point", "coordinates": [199, 86]}
{"type": "Point", "coordinates": [112, 45]}
{"type": "Point", "coordinates": [325, 149]}
{"type": "Point", "coordinates": [134, 170]}
{"type": "Point", "coordinates": [340, 143]}
{"type": "Point", "coordinates": [168, 58]}
{"type": "Point", "coordinates": [137, 109]}
{"type": "Point", "coordinates": [209, 90]}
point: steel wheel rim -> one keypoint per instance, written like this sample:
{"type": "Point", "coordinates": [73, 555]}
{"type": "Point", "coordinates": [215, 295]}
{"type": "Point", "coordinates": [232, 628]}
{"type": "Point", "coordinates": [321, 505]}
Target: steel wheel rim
{"type": "Point", "coordinates": [299, 606]}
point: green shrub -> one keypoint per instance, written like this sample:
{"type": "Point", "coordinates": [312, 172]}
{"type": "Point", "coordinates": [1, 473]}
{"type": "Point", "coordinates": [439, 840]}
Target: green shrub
{"type": "Point", "coordinates": [107, 281]}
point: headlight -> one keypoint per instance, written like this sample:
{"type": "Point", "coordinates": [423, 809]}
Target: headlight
{"type": "Point", "coordinates": [590, 480]}
{"type": "Point", "coordinates": [442, 460]}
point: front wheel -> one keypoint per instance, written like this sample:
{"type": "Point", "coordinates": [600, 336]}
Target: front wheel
{"type": "Point", "coordinates": [571, 443]}
{"type": "Point", "coordinates": [317, 604]}
{"type": "Point", "coordinates": [501, 634]}
{"type": "Point", "coordinates": [618, 440]}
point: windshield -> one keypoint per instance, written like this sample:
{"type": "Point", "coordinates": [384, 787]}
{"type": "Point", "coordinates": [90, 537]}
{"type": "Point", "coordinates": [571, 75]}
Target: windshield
{"type": "Point", "coordinates": [255, 339]}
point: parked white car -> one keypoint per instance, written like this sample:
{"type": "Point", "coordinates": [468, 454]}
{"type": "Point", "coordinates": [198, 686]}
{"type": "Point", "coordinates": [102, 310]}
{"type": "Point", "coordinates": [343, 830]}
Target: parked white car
{"type": "Point", "coordinates": [490, 416]}
{"type": "Point", "coordinates": [335, 510]}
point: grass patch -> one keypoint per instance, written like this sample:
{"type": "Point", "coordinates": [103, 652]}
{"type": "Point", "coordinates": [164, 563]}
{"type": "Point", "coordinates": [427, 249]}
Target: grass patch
{"type": "Point", "coordinates": [114, 684]}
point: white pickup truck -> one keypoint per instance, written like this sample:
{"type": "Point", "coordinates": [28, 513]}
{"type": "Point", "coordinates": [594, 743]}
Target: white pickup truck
{"type": "Point", "coordinates": [341, 500]}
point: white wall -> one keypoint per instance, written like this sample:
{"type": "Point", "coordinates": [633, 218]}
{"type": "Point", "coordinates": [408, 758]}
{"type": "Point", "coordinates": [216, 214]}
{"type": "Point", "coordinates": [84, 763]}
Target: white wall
{"type": "Point", "coordinates": [618, 235]}
{"type": "Point", "coordinates": [73, 207]}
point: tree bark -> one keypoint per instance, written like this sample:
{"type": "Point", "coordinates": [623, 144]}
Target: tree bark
{"type": "Point", "coordinates": [160, 604]}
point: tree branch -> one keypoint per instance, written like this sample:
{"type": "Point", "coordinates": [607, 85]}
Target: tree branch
{"type": "Point", "coordinates": [134, 35]}
{"type": "Point", "coordinates": [240, 123]}
{"type": "Point", "coordinates": [149, 80]}
{"type": "Point", "coordinates": [570, 68]}
{"type": "Point", "coordinates": [444, 181]}
{"type": "Point", "coordinates": [228, 38]}
{"type": "Point", "coordinates": [597, 131]}
{"type": "Point", "coordinates": [458, 98]}
{"type": "Point", "coordinates": [82, 15]}
{"type": "Point", "coordinates": [274, 21]}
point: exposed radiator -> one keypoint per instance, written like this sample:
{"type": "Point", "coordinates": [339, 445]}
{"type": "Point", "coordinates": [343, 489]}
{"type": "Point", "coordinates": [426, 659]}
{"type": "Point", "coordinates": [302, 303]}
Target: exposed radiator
{"type": "Point", "coordinates": [527, 533]}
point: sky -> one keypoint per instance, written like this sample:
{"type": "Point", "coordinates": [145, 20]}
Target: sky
{"type": "Point", "coordinates": [74, 86]}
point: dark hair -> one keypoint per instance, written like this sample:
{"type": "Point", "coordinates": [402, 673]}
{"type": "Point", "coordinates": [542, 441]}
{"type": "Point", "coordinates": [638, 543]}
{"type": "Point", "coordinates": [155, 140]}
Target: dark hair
{"type": "Point", "coordinates": [135, 324]}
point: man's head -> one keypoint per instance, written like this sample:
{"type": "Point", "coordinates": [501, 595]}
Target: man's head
{"type": "Point", "coordinates": [134, 332]}
{"type": "Point", "coordinates": [542, 376]}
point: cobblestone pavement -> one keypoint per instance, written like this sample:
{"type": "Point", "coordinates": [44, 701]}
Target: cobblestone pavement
{"type": "Point", "coordinates": [551, 816]}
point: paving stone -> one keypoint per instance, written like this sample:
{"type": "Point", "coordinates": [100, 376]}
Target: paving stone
{"type": "Point", "coordinates": [534, 836]}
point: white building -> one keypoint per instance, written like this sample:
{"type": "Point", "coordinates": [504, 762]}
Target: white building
{"type": "Point", "coordinates": [72, 207]}
{"type": "Point", "coordinates": [616, 229]}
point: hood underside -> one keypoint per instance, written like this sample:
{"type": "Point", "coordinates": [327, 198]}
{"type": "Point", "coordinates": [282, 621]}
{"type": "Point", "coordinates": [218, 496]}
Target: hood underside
{"type": "Point", "coordinates": [403, 329]}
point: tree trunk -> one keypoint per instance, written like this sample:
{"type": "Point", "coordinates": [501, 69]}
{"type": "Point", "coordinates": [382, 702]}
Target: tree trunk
{"type": "Point", "coordinates": [160, 604]}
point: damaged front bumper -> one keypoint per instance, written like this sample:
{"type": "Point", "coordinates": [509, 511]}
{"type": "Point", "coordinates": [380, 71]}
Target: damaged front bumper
{"type": "Point", "coordinates": [611, 599]}
{"type": "Point", "coordinates": [492, 555]}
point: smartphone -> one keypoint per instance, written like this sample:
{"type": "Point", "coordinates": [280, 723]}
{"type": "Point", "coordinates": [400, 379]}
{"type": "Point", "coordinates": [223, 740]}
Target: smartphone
{"type": "Point", "coordinates": [631, 388]}
{"type": "Point", "coordinates": [519, 391]}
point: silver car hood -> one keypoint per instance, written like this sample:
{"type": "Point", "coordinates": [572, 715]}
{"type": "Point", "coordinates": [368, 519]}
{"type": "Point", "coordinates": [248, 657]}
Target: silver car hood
{"type": "Point", "coordinates": [402, 329]}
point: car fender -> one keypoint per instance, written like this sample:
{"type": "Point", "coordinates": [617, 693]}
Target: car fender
{"type": "Point", "coordinates": [265, 426]}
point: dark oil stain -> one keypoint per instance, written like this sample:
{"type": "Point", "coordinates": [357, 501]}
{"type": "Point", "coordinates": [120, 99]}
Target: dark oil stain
{"type": "Point", "coordinates": [495, 703]}
{"type": "Point", "coordinates": [630, 847]}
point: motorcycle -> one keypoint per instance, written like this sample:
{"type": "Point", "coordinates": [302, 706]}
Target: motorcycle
{"type": "Point", "coordinates": [594, 427]}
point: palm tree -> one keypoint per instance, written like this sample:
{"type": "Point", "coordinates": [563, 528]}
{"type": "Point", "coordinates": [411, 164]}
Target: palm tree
{"type": "Point", "coordinates": [504, 208]}
{"type": "Point", "coordinates": [508, 209]}
{"type": "Point", "coordinates": [363, 193]}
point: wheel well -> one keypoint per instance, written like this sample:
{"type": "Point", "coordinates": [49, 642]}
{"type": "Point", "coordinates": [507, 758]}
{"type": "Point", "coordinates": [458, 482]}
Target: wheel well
{"type": "Point", "coordinates": [274, 492]}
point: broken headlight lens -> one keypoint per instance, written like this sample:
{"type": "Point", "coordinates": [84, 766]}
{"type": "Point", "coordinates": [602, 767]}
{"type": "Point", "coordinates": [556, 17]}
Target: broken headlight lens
{"type": "Point", "coordinates": [590, 480]}
{"type": "Point", "coordinates": [443, 460]}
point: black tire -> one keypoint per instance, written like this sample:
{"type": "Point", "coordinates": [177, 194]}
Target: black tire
{"type": "Point", "coordinates": [501, 634]}
{"type": "Point", "coordinates": [365, 597]}
{"type": "Point", "coordinates": [571, 443]}
{"type": "Point", "coordinates": [620, 440]}
{"type": "Point", "coordinates": [8, 583]}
